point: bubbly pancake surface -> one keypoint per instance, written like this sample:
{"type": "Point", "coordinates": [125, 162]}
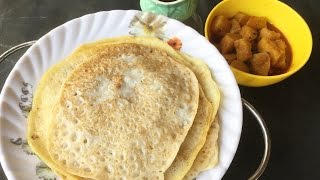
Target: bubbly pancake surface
{"type": "Point", "coordinates": [211, 91]}
{"type": "Point", "coordinates": [46, 96]}
{"type": "Point", "coordinates": [50, 84]}
{"type": "Point", "coordinates": [123, 113]}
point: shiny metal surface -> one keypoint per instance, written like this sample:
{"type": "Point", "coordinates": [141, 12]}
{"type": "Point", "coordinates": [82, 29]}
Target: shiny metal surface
{"type": "Point", "coordinates": [266, 137]}
{"type": "Point", "coordinates": [14, 49]}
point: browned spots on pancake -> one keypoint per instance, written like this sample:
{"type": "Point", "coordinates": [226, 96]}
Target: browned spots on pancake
{"type": "Point", "coordinates": [34, 136]}
{"type": "Point", "coordinates": [117, 80]}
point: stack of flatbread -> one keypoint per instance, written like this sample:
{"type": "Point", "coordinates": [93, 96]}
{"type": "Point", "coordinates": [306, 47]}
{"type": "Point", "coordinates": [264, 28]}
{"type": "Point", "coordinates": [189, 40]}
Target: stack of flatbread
{"type": "Point", "coordinates": [126, 108]}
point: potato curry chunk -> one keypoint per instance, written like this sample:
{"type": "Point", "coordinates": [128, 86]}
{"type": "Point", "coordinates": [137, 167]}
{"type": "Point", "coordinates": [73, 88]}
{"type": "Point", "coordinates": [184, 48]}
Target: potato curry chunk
{"type": "Point", "coordinates": [241, 18]}
{"type": "Point", "coordinates": [220, 26]}
{"type": "Point", "coordinates": [227, 42]}
{"type": "Point", "coordinates": [248, 33]}
{"type": "Point", "coordinates": [260, 64]}
{"type": "Point", "coordinates": [257, 22]}
{"type": "Point", "coordinates": [240, 65]}
{"type": "Point", "coordinates": [268, 46]}
{"type": "Point", "coordinates": [266, 33]}
{"type": "Point", "coordinates": [243, 49]}
{"type": "Point", "coordinates": [235, 26]}
{"type": "Point", "coordinates": [282, 47]}
{"type": "Point", "coordinates": [230, 57]}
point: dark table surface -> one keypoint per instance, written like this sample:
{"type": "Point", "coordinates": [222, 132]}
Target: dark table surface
{"type": "Point", "coordinates": [291, 108]}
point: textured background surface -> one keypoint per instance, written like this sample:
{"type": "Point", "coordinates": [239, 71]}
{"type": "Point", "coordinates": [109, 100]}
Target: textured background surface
{"type": "Point", "coordinates": [290, 108]}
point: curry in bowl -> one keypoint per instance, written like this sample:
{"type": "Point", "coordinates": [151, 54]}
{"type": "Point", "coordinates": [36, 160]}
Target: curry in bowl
{"type": "Point", "coordinates": [251, 44]}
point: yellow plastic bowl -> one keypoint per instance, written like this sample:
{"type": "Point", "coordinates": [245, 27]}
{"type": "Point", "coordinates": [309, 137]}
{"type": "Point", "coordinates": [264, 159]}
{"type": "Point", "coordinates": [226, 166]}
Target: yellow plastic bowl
{"type": "Point", "coordinates": [288, 21]}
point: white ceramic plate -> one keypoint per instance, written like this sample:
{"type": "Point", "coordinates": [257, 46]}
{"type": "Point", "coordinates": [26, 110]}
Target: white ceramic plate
{"type": "Point", "coordinates": [19, 162]}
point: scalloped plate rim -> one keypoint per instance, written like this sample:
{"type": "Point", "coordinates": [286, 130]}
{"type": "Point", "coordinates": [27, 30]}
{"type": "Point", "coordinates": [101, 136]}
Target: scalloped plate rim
{"type": "Point", "coordinates": [221, 168]}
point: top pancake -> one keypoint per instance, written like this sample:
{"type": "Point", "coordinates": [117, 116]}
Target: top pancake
{"type": "Point", "coordinates": [50, 84]}
{"type": "Point", "coordinates": [137, 93]}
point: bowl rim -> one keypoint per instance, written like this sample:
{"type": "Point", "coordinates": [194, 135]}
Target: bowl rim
{"type": "Point", "coordinates": [283, 75]}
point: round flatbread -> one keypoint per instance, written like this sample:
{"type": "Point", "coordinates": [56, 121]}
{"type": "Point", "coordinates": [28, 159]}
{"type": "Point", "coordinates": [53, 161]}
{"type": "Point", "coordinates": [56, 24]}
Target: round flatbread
{"type": "Point", "coordinates": [48, 89]}
{"type": "Point", "coordinates": [123, 113]}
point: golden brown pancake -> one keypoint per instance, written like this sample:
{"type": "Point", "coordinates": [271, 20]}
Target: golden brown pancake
{"type": "Point", "coordinates": [208, 155]}
{"type": "Point", "coordinates": [194, 141]}
{"type": "Point", "coordinates": [123, 113]}
{"type": "Point", "coordinates": [50, 85]}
